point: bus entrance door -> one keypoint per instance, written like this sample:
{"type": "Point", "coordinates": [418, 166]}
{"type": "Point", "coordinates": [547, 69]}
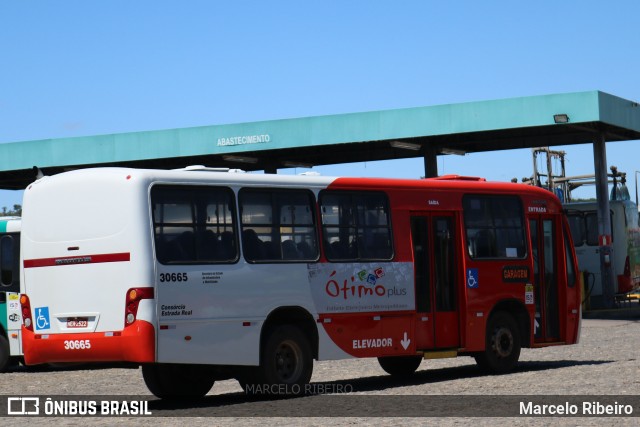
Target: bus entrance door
{"type": "Point", "coordinates": [545, 246]}
{"type": "Point", "coordinates": [434, 253]}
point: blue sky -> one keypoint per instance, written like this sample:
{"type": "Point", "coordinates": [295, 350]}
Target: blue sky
{"type": "Point", "coordinates": [74, 68]}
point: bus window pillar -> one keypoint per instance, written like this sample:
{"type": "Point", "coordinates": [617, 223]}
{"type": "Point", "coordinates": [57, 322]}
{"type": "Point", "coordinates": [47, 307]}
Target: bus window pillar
{"type": "Point", "coordinates": [604, 221]}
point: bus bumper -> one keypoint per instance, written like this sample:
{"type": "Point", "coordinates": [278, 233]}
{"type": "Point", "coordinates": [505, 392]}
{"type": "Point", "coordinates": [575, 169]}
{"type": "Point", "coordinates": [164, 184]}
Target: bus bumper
{"type": "Point", "coordinates": [135, 343]}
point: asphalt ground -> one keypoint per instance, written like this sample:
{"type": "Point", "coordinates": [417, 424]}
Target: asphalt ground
{"type": "Point", "coordinates": [603, 368]}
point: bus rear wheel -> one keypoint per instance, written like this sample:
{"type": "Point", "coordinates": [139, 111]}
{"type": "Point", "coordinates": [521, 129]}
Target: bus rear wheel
{"type": "Point", "coordinates": [502, 345]}
{"type": "Point", "coordinates": [400, 366]}
{"type": "Point", "coordinates": [286, 361]}
{"type": "Point", "coordinates": [176, 382]}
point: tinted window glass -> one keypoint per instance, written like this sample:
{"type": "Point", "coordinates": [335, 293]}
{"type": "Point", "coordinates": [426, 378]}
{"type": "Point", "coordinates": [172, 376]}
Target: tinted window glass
{"type": "Point", "coordinates": [356, 226]}
{"type": "Point", "coordinates": [571, 268]}
{"type": "Point", "coordinates": [591, 226]}
{"type": "Point", "coordinates": [584, 228]}
{"type": "Point", "coordinates": [494, 226]}
{"type": "Point", "coordinates": [278, 225]}
{"type": "Point", "coordinates": [6, 260]}
{"type": "Point", "coordinates": [576, 225]}
{"type": "Point", "coordinates": [194, 224]}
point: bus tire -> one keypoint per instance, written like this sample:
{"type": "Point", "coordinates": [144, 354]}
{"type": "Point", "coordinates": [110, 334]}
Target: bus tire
{"type": "Point", "coordinates": [400, 366]}
{"type": "Point", "coordinates": [4, 353]}
{"type": "Point", "coordinates": [502, 344]}
{"type": "Point", "coordinates": [286, 359]}
{"type": "Point", "coordinates": [176, 381]}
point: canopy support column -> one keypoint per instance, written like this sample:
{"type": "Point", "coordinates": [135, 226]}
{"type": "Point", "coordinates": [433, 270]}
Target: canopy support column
{"type": "Point", "coordinates": [604, 222]}
{"type": "Point", "coordinates": [430, 161]}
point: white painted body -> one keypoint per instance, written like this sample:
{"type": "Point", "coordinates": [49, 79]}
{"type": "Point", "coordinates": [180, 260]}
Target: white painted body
{"type": "Point", "coordinates": [106, 211]}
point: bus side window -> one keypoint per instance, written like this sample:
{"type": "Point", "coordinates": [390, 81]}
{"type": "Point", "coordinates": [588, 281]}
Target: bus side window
{"type": "Point", "coordinates": [591, 227]}
{"type": "Point", "coordinates": [577, 228]}
{"type": "Point", "coordinates": [356, 226]}
{"type": "Point", "coordinates": [571, 268]}
{"type": "Point", "coordinates": [185, 246]}
{"type": "Point", "coordinates": [278, 225]}
{"type": "Point", "coordinates": [252, 246]}
{"type": "Point", "coordinates": [484, 244]}
{"type": "Point", "coordinates": [494, 226]}
{"type": "Point", "coordinates": [194, 224]}
{"type": "Point", "coordinates": [6, 261]}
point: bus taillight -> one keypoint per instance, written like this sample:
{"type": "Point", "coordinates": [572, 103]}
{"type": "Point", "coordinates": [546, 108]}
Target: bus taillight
{"type": "Point", "coordinates": [134, 295]}
{"type": "Point", "coordinates": [26, 312]}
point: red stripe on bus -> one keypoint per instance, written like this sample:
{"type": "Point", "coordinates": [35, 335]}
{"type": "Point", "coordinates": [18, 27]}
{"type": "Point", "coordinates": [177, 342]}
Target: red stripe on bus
{"type": "Point", "coordinates": [78, 259]}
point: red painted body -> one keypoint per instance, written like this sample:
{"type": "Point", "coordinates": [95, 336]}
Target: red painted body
{"type": "Point", "coordinates": [136, 343]}
{"type": "Point", "coordinates": [463, 329]}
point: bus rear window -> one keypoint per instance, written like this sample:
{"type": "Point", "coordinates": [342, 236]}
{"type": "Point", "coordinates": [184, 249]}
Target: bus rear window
{"type": "Point", "coordinates": [577, 227]}
{"type": "Point", "coordinates": [194, 224]}
{"type": "Point", "coordinates": [584, 227]}
{"type": "Point", "coordinates": [494, 226]}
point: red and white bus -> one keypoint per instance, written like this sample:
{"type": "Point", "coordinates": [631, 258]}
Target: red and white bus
{"type": "Point", "coordinates": [201, 275]}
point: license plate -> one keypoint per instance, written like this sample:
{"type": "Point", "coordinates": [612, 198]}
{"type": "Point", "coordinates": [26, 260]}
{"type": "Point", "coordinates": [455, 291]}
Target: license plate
{"type": "Point", "coordinates": [77, 322]}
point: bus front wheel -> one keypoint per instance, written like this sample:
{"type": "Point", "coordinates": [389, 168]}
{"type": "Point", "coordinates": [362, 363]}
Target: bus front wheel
{"type": "Point", "coordinates": [175, 381]}
{"type": "Point", "coordinates": [400, 366]}
{"type": "Point", "coordinates": [502, 345]}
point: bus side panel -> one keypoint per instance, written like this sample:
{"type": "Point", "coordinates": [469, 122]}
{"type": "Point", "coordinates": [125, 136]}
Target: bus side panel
{"type": "Point", "coordinates": [328, 349]}
{"type": "Point", "coordinates": [220, 342]}
{"type": "Point", "coordinates": [475, 330]}
{"type": "Point", "coordinates": [214, 314]}
{"type": "Point", "coordinates": [366, 308]}
{"type": "Point", "coordinates": [573, 291]}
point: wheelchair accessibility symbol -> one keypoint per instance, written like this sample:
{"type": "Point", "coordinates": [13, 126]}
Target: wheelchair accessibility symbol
{"type": "Point", "coordinates": [42, 318]}
{"type": "Point", "coordinates": [472, 278]}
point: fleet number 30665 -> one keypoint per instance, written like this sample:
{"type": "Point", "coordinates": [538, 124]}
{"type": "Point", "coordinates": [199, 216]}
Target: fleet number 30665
{"type": "Point", "coordinates": [173, 277]}
{"type": "Point", "coordinates": [77, 344]}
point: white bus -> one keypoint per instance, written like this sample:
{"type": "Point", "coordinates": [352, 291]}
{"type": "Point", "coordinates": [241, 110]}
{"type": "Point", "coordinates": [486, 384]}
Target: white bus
{"type": "Point", "coordinates": [202, 275]}
{"type": "Point", "coordinates": [625, 234]}
{"type": "Point", "coordinates": [10, 320]}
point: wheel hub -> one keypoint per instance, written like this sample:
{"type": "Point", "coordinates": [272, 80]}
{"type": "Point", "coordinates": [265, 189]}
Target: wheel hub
{"type": "Point", "coordinates": [287, 362]}
{"type": "Point", "coordinates": [503, 342]}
